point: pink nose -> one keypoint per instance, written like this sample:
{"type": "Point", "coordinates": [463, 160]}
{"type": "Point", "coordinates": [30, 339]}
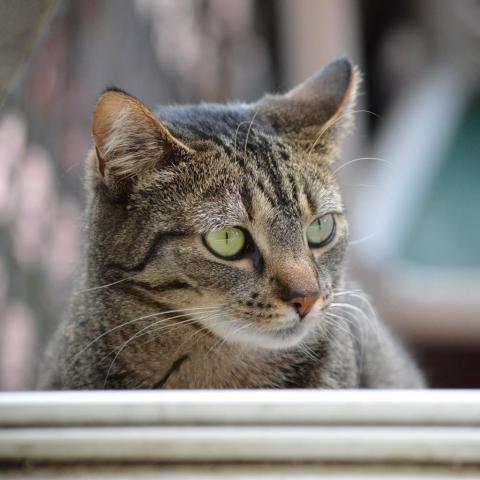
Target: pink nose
{"type": "Point", "coordinates": [303, 302]}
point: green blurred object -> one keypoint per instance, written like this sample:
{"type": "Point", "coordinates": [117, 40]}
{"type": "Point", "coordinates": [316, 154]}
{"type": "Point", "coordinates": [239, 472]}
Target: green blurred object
{"type": "Point", "coordinates": [446, 229]}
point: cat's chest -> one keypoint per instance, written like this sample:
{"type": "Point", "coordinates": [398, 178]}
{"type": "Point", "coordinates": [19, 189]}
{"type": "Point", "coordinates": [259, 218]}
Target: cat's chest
{"type": "Point", "coordinates": [272, 371]}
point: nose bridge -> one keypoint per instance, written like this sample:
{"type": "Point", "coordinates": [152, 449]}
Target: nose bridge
{"type": "Point", "coordinates": [288, 263]}
{"type": "Point", "coordinates": [296, 275]}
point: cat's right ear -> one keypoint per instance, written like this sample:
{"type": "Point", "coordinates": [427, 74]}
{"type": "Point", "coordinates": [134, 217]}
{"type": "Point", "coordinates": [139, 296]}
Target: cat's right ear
{"type": "Point", "coordinates": [130, 141]}
{"type": "Point", "coordinates": [315, 113]}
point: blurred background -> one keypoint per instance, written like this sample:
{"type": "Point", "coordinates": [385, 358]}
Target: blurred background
{"type": "Point", "coordinates": [410, 173]}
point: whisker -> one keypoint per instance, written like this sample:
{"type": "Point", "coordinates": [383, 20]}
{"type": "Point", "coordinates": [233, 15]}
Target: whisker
{"type": "Point", "coordinates": [104, 286]}
{"type": "Point", "coordinates": [361, 185]}
{"type": "Point", "coordinates": [143, 331]}
{"type": "Point", "coordinates": [335, 317]}
{"type": "Point", "coordinates": [357, 294]}
{"type": "Point", "coordinates": [371, 322]}
{"type": "Point", "coordinates": [248, 132]}
{"type": "Point", "coordinates": [360, 159]}
{"type": "Point", "coordinates": [232, 334]}
{"type": "Point", "coordinates": [150, 328]}
{"type": "Point", "coordinates": [361, 341]}
{"type": "Point", "coordinates": [203, 330]}
{"type": "Point", "coordinates": [236, 135]}
{"type": "Point", "coordinates": [222, 341]}
{"type": "Point", "coordinates": [368, 111]}
{"type": "Point", "coordinates": [179, 325]}
{"type": "Point", "coordinates": [330, 123]}
{"type": "Point", "coordinates": [194, 320]}
{"type": "Point", "coordinates": [363, 239]}
{"type": "Point", "coordinates": [305, 350]}
{"type": "Point", "coordinates": [346, 290]}
{"type": "Point", "coordinates": [143, 317]}
{"type": "Point", "coordinates": [348, 305]}
{"type": "Point", "coordinates": [333, 122]}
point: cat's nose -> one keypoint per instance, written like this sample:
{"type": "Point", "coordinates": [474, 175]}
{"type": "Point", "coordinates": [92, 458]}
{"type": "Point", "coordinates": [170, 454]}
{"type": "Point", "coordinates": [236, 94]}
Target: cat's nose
{"type": "Point", "coordinates": [296, 284]}
{"type": "Point", "coordinates": [303, 302]}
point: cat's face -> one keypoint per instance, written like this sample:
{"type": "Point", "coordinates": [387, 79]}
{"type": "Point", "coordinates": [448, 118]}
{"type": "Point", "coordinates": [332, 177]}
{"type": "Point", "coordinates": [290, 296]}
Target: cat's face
{"type": "Point", "coordinates": [228, 214]}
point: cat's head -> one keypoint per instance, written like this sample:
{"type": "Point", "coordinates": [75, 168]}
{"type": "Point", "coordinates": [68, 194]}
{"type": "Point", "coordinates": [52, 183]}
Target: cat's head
{"type": "Point", "coordinates": [229, 214]}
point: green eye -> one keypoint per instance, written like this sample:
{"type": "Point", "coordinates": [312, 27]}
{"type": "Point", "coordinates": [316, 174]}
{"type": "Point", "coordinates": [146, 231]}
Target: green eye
{"type": "Point", "coordinates": [226, 243]}
{"type": "Point", "coordinates": [321, 231]}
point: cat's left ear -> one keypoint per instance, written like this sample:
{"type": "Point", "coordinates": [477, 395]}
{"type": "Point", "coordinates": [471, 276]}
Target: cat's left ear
{"type": "Point", "coordinates": [130, 141]}
{"type": "Point", "coordinates": [313, 114]}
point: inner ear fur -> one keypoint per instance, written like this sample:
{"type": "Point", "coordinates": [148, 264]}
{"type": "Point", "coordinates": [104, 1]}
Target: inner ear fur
{"type": "Point", "coordinates": [314, 113]}
{"type": "Point", "coordinates": [129, 139]}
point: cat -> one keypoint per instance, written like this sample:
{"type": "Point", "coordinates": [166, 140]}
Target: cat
{"type": "Point", "coordinates": [216, 240]}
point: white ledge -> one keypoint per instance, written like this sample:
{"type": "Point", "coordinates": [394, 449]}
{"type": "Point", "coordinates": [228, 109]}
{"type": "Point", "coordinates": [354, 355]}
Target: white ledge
{"type": "Point", "coordinates": [252, 444]}
{"type": "Point", "coordinates": [241, 407]}
{"type": "Point", "coordinates": [370, 427]}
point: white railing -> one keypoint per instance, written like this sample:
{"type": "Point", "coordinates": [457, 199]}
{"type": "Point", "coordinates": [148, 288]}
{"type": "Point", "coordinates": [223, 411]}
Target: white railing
{"type": "Point", "coordinates": [388, 430]}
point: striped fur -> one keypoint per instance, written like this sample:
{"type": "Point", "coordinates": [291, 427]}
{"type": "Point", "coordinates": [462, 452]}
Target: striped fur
{"type": "Point", "coordinates": [155, 309]}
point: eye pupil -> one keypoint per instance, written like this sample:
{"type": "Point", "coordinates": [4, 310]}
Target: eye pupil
{"type": "Point", "coordinates": [228, 243]}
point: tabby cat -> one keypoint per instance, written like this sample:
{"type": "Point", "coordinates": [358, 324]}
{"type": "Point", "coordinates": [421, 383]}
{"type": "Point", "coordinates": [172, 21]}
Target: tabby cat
{"type": "Point", "coordinates": [216, 239]}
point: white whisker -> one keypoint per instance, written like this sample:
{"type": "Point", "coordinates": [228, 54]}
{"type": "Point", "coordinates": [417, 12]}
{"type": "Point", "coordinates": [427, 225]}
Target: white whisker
{"type": "Point", "coordinates": [143, 331]}
{"type": "Point", "coordinates": [368, 111]}
{"type": "Point", "coordinates": [355, 160]}
{"type": "Point", "coordinates": [143, 317]}
{"type": "Point", "coordinates": [363, 239]}
{"type": "Point", "coordinates": [179, 325]}
{"type": "Point", "coordinates": [329, 124]}
{"type": "Point", "coordinates": [229, 336]}
{"type": "Point", "coordinates": [236, 135]}
{"type": "Point", "coordinates": [333, 317]}
{"type": "Point", "coordinates": [105, 286]}
{"type": "Point", "coordinates": [370, 321]}
{"type": "Point", "coordinates": [248, 132]}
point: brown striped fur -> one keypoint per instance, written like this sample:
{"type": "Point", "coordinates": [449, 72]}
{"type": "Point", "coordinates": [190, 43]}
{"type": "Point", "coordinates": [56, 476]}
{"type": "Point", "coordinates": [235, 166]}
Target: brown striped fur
{"type": "Point", "coordinates": [155, 309]}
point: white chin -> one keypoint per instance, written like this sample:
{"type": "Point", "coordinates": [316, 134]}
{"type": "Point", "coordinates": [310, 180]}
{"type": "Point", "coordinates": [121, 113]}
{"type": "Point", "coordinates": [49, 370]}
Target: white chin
{"type": "Point", "coordinates": [235, 332]}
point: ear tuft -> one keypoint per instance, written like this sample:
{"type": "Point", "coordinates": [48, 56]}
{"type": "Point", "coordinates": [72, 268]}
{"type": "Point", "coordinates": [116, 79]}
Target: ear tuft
{"type": "Point", "coordinates": [312, 114]}
{"type": "Point", "coordinates": [129, 139]}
